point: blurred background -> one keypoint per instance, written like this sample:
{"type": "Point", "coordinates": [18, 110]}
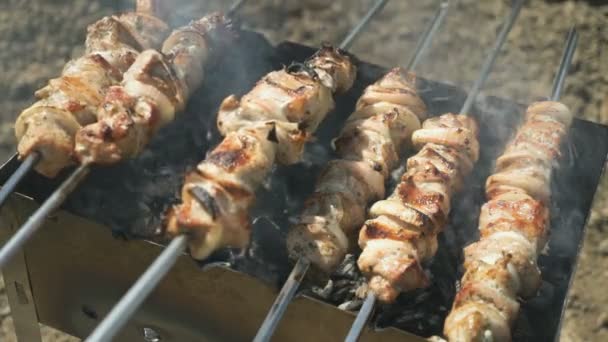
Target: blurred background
{"type": "Point", "coordinates": [37, 37]}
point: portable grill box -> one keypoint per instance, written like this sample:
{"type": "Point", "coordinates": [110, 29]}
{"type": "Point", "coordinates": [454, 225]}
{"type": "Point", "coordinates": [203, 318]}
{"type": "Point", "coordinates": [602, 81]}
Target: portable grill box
{"type": "Point", "coordinates": [73, 271]}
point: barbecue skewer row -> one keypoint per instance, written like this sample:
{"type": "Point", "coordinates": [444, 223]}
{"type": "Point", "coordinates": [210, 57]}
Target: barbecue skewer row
{"type": "Point", "coordinates": [368, 149]}
{"type": "Point", "coordinates": [402, 233]}
{"type": "Point", "coordinates": [152, 90]}
{"type": "Point", "coordinates": [514, 224]}
{"type": "Point", "coordinates": [270, 123]}
{"type": "Point", "coordinates": [45, 131]}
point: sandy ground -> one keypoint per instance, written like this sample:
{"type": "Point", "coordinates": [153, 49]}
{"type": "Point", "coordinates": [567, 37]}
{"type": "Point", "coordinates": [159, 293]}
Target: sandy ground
{"type": "Point", "coordinates": [37, 37]}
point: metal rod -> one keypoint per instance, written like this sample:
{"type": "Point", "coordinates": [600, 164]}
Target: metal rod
{"type": "Point", "coordinates": [288, 291]}
{"type": "Point", "coordinates": [128, 304]}
{"type": "Point", "coordinates": [350, 38]}
{"type": "Point", "coordinates": [564, 65]}
{"type": "Point", "coordinates": [362, 318]}
{"type": "Point", "coordinates": [26, 166]}
{"type": "Point", "coordinates": [35, 221]}
{"type": "Point", "coordinates": [427, 36]}
{"type": "Point", "coordinates": [235, 7]}
{"type": "Point", "coordinates": [489, 63]}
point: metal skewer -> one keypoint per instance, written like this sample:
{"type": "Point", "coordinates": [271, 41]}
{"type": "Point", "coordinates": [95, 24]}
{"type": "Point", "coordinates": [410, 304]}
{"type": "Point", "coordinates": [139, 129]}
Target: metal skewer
{"type": "Point", "coordinates": [370, 301]}
{"type": "Point", "coordinates": [288, 291]}
{"type": "Point", "coordinates": [35, 221]}
{"type": "Point", "coordinates": [52, 203]}
{"type": "Point", "coordinates": [564, 65]}
{"type": "Point", "coordinates": [491, 59]}
{"type": "Point", "coordinates": [427, 37]}
{"type": "Point", "coordinates": [131, 301]}
{"type": "Point", "coordinates": [285, 296]}
{"type": "Point", "coordinates": [354, 33]}
{"type": "Point", "coordinates": [142, 288]}
{"type": "Point", "coordinates": [26, 166]}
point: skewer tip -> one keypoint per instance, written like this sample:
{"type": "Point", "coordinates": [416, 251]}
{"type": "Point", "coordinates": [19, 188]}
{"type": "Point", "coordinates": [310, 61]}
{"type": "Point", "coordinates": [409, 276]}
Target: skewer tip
{"type": "Point", "coordinates": [491, 58]}
{"type": "Point", "coordinates": [427, 36]}
{"type": "Point", "coordinates": [565, 63]}
{"type": "Point", "coordinates": [354, 33]}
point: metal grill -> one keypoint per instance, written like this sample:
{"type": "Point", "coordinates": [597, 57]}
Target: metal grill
{"type": "Point", "coordinates": [73, 272]}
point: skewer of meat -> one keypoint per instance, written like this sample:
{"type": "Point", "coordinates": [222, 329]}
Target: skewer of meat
{"type": "Point", "coordinates": [155, 88]}
{"type": "Point", "coordinates": [513, 224]}
{"type": "Point", "coordinates": [47, 128]}
{"type": "Point", "coordinates": [368, 149]}
{"type": "Point", "coordinates": [401, 234]}
{"type": "Point", "coordinates": [369, 146]}
{"type": "Point", "coordinates": [45, 131]}
{"type": "Point", "coordinates": [270, 123]}
{"type": "Point", "coordinates": [152, 90]}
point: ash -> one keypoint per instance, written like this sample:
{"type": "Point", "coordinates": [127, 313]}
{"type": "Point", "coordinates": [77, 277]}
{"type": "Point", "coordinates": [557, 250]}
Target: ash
{"type": "Point", "coordinates": [131, 198]}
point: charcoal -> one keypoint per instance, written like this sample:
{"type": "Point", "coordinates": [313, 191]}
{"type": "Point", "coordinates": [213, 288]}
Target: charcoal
{"type": "Point", "coordinates": [323, 292]}
{"type": "Point", "coordinates": [351, 305]}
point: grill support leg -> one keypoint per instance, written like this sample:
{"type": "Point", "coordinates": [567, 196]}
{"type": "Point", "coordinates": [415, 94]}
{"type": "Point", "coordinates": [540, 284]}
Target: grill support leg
{"type": "Point", "coordinates": [17, 282]}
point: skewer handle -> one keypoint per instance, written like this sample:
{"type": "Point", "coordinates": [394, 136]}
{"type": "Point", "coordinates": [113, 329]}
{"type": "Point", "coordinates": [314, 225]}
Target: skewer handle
{"type": "Point", "coordinates": [564, 65]}
{"type": "Point", "coordinates": [128, 304]}
{"type": "Point", "coordinates": [491, 59]}
{"type": "Point", "coordinates": [350, 38]}
{"type": "Point", "coordinates": [282, 301]}
{"type": "Point", "coordinates": [35, 221]}
{"type": "Point", "coordinates": [362, 318]}
{"type": "Point", "coordinates": [26, 166]}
